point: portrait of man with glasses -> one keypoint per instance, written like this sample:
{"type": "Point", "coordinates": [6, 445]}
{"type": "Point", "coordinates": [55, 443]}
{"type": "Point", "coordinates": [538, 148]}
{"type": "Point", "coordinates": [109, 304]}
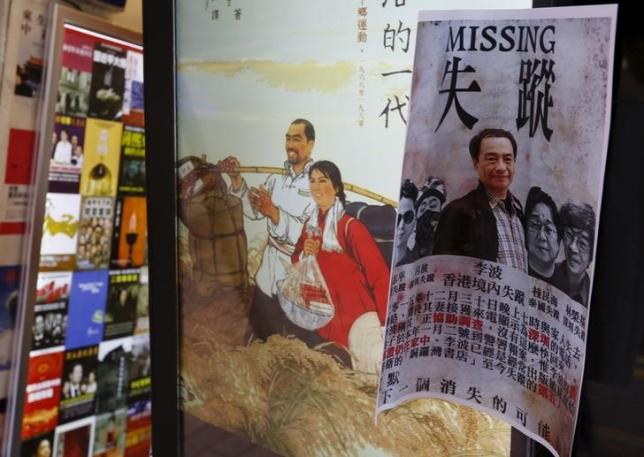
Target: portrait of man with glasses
{"type": "Point", "coordinates": [577, 222]}
{"type": "Point", "coordinates": [543, 235]}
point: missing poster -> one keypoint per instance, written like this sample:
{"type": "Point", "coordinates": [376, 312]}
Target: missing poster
{"type": "Point", "coordinates": [498, 214]}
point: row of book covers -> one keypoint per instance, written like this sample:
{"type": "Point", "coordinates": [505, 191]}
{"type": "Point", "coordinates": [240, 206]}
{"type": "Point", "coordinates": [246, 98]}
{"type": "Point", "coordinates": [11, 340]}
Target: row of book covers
{"type": "Point", "coordinates": [95, 211]}
{"type": "Point", "coordinates": [89, 401]}
{"type": "Point", "coordinates": [88, 382]}
{"type": "Point", "coordinates": [88, 233]}
{"type": "Point", "coordinates": [90, 357]}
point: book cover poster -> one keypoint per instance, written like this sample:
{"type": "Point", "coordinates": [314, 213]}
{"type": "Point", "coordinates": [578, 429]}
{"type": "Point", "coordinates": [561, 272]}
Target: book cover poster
{"type": "Point", "coordinates": [99, 176]}
{"type": "Point", "coordinates": [40, 446]}
{"type": "Point", "coordinates": [109, 439]}
{"type": "Point", "coordinates": [78, 50]}
{"type": "Point", "coordinates": [30, 55]}
{"type": "Point", "coordinates": [79, 383]}
{"type": "Point", "coordinates": [133, 113]}
{"type": "Point", "coordinates": [143, 304]}
{"type": "Point", "coordinates": [122, 300]}
{"type": "Point", "coordinates": [129, 247]}
{"type": "Point", "coordinates": [17, 178]}
{"type": "Point", "coordinates": [139, 366]}
{"type": "Point", "coordinates": [86, 308]}
{"type": "Point", "coordinates": [66, 154]}
{"type": "Point", "coordinates": [139, 429]}
{"type": "Point", "coordinates": [72, 98]}
{"type": "Point", "coordinates": [337, 92]}
{"type": "Point", "coordinates": [50, 311]}
{"type": "Point", "coordinates": [113, 357]}
{"type": "Point", "coordinates": [9, 283]}
{"type": "Point", "coordinates": [74, 439]}
{"type": "Point", "coordinates": [108, 81]}
{"type": "Point", "coordinates": [132, 176]}
{"type": "Point", "coordinates": [60, 229]}
{"type": "Point", "coordinates": [43, 392]}
{"type": "Point", "coordinates": [75, 73]}
{"type": "Point", "coordinates": [95, 233]}
{"type": "Point", "coordinates": [19, 157]}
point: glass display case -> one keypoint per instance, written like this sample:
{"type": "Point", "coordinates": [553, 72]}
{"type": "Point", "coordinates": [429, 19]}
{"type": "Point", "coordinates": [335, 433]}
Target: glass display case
{"type": "Point", "coordinates": [82, 368]}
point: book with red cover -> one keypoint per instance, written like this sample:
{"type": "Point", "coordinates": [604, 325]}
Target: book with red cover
{"type": "Point", "coordinates": [43, 392]}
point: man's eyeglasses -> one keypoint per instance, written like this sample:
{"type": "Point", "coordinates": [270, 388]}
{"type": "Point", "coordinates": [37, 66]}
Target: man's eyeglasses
{"type": "Point", "coordinates": [570, 235]}
{"type": "Point", "coordinates": [536, 227]}
{"type": "Point", "coordinates": [407, 217]}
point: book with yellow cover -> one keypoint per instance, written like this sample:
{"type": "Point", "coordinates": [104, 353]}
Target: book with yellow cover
{"type": "Point", "coordinates": [99, 176]}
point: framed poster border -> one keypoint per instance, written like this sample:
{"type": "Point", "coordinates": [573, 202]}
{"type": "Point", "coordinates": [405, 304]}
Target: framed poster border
{"type": "Point", "coordinates": [161, 139]}
{"type": "Point", "coordinates": [160, 120]}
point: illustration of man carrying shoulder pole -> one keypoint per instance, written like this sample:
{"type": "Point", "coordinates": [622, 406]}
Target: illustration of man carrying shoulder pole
{"type": "Point", "coordinates": [285, 202]}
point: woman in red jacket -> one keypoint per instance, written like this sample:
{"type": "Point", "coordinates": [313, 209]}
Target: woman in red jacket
{"type": "Point", "coordinates": [351, 263]}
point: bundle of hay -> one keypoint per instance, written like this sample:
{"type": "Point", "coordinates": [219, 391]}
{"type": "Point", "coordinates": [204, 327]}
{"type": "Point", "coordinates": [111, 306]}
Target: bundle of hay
{"type": "Point", "coordinates": [298, 401]}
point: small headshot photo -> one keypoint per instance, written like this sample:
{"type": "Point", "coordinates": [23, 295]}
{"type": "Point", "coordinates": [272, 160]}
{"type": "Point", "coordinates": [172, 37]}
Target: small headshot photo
{"type": "Point", "coordinates": [543, 234]}
{"type": "Point", "coordinates": [577, 222]}
{"type": "Point", "coordinates": [405, 223]}
{"type": "Point", "coordinates": [39, 331]}
{"type": "Point", "coordinates": [429, 203]}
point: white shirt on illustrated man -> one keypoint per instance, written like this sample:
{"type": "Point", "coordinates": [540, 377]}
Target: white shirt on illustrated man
{"type": "Point", "coordinates": [283, 200]}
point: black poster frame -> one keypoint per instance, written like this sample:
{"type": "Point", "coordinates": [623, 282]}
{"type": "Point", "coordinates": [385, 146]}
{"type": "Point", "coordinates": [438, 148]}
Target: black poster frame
{"type": "Point", "coordinates": [159, 21]}
{"type": "Point", "coordinates": [160, 96]}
